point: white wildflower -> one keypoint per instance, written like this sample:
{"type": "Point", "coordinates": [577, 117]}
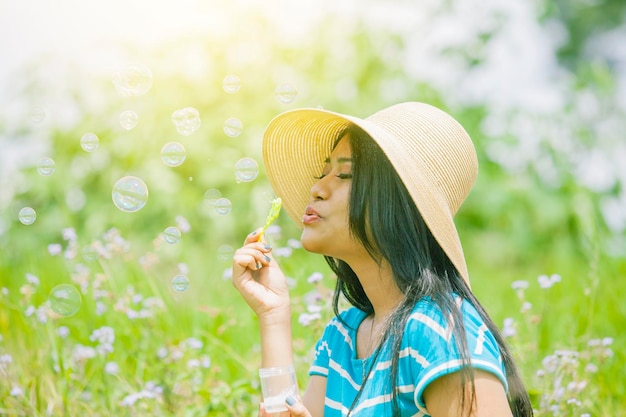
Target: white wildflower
{"type": "Point", "coordinates": [111, 368]}
{"type": "Point", "coordinates": [54, 249]}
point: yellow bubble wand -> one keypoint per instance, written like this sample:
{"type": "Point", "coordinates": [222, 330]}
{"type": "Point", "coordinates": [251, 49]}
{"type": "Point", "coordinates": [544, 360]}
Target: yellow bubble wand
{"type": "Point", "coordinates": [277, 203]}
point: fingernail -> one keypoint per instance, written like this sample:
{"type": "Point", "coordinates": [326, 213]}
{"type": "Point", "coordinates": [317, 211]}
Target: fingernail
{"type": "Point", "coordinates": [266, 246]}
{"type": "Point", "coordinates": [258, 265]}
{"type": "Point", "coordinates": [267, 258]}
{"type": "Point", "coordinates": [254, 233]}
{"type": "Point", "coordinates": [290, 400]}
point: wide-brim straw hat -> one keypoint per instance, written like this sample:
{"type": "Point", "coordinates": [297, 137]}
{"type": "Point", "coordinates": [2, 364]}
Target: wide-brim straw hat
{"type": "Point", "coordinates": [431, 152]}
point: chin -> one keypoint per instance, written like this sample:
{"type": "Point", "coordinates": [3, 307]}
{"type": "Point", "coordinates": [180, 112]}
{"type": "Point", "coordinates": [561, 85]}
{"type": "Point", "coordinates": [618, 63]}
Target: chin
{"type": "Point", "coordinates": [310, 243]}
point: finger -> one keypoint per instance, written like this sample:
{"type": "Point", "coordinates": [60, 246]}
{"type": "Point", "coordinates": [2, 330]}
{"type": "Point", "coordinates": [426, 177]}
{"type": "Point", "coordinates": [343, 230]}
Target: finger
{"type": "Point", "coordinates": [255, 236]}
{"type": "Point", "coordinates": [251, 258]}
{"type": "Point", "coordinates": [296, 408]}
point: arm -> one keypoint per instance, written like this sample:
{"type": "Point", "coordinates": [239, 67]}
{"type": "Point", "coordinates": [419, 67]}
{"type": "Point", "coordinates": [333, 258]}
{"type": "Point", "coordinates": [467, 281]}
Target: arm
{"type": "Point", "coordinates": [260, 281]}
{"type": "Point", "coordinates": [443, 396]}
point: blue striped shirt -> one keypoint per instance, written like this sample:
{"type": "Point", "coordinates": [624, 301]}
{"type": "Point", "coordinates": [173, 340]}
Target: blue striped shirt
{"type": "Point", "coordinates": [428, 351]}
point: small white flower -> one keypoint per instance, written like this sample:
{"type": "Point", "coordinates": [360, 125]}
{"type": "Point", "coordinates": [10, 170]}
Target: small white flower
{"type": "Point", "coordinates": [194, 343]}
{"type": "Point", "coordinates": [111, 368]}
{"type": "Point", "coordinates": [30, 310]}
{"type": "Point", "coordinates": [227, 274]}
{"type": "Point", "coordinates": [101, 308]}
{"type": "Point", "coordinates": [6, 358]}
{"type": "Point", "coordinates": [607, 341]}
{"type": "Point", "coordinates": [54, 249]}
{"type": "Point", "coordinates": [182, 224]}
{"type": "Point", "coordinates": [32, 279]}
{"type": "Point", "coordinates": [63, 332]}
{"type": "Point", "coordinates": [294, 243]}
{"type": "Point", "coordinates": [16, 391]}
{"type": "Point", "coordinates": [284, 251]}
{"type": "Point", "coordinates": [315, 277]}
{"type": "Point", "coordinates": [183, 268]}
{"type": "Point", "coordinates": [69, 234]}
{"type": "Point", "coordinates": [162, 353]}
{"type": "Point", "coordinates": [544, 281]}
{"type": "Point", "coordinates": [193, 363]}
{"type": "Point", "coordinates": [305, 318]}
{"type": "Point", "coordinates": [519, 285]}
{"type": "Point", "coordinates": [205, 361]}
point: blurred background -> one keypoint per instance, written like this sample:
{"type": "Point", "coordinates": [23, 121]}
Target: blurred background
{"type": "Point", "coordinates": [175, 95]}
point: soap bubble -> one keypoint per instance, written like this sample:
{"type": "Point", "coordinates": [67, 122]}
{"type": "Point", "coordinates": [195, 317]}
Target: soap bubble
{"type": "Point", "coordinates": [211, 196]}
{"type": "Point", "coordinates": [173, 154]}
{"type": "Point", "coordinates": [37, 115]}
{"type": "Point", "coordinates": [246, 170]}
{"type": "Point", "coordinates": [65, 300]}
{"type": "Point", "coordinates": [130, 194]}
{"type": "Point", "coordinates": [89, 253]}
{"type": "Point", "coordinates": [233, 127]}
{"type": "Point", "coordinates": [231, 84]}
{"type": "Point", "coordinates": [286, 93]}
{"type": "Point", "coordinates": [171, 235]}
{"type": "Point", "coordinates": [186, 120]}
{"type": "Point", "coordinates": [27, 216]}
{"type": "Point", "coordinates": [89, 142]}
{"type": "Point", "coordinates": [132, 81]}
{"type": "Point", "coordinates": [225, 253]}
{"type": "Point", "coordinates": [223, 206]}
{"type": "Point", "coordinates": [180, 282]}
{"type": "Point", "coordinates": [128, 119]}
{"type": "Point", "coordinates": [46, 166]}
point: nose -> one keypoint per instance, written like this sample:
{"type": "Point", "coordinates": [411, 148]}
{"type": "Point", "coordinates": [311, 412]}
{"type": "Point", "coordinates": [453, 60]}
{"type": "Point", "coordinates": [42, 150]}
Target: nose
{"type": "Point", "coordinates": [318, 191]}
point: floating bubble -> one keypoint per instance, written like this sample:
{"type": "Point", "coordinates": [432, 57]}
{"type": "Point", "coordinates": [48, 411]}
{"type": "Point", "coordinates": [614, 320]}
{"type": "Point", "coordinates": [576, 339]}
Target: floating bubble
{"type": "Point", "coordinates": [180, 282]}
{"type": "Point", "coordinates": [27, 216]}
{"type": "Point", "coordinates": [286, 93]}
{"type": "Point", "coordinates": [246, 170]}
{"type": "Point", "coordinates": [65, 300]}
{"type": "Point", "coordinates": [225, 253]}
{"type": "Point", "coordinates": [46, 166]}
{"type": "Point", "coordinates": [130, 194]}
{"type": "Point", "coordinates": [186, 120]}
{"type": "Point", "coordinates": [132, 81]}
{"type": "Point", "coordinates": [211, 196]}
{"type": "Point", "coordinates": [173, 154]}
{"type": "Point", "coordinates": [231, 84]}
{"type": "Point", "coordinates": [233, 127]}
{"type": "Point", "coordinates": [89, 142]}
{"type": "Point", "coordinates": [171, 235]}
{"type": "Point", "coordinates": [37, 115]}
{"type": "Point", "coordinates": [89, 253]}
{"type": "Point", "coordinates": [223, 206]}
{"type": "Point", "coordinates": [129, 119]}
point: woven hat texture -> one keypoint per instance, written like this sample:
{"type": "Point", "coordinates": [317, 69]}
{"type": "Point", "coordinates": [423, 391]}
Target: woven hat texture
{"type": "Point", "coordinates": [431, 152]}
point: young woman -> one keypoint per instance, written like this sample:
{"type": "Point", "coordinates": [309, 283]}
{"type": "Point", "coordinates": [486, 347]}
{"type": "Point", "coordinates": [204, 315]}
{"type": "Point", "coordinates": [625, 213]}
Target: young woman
{"type": "Point", "coordinates": [377, 197]}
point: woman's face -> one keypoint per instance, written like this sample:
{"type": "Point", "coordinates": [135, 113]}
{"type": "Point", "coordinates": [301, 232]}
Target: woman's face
{"type": "Point", "coordinates": [326, 229]}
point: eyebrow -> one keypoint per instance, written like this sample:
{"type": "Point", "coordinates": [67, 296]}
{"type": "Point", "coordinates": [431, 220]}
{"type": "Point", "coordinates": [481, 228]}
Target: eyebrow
{"type": "Point", "coordinates": [340, 160]}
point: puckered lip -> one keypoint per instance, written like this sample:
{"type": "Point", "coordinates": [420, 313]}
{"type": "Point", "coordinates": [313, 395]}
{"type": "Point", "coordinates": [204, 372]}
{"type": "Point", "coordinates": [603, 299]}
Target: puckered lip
{"type": "Point", "coordinates": [310, 215]}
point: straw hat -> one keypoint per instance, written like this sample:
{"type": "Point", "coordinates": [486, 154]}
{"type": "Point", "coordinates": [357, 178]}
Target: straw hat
{"type": "Point", "coordinates": [432, 153]}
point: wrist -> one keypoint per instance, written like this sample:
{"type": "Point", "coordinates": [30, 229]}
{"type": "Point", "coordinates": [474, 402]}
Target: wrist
{"type": "Point", "coordinates": [275, 317]}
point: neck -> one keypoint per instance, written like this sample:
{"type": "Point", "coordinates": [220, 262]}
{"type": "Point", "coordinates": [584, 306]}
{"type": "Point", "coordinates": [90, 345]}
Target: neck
{"type": "Point", "coordinates": [379, 286]}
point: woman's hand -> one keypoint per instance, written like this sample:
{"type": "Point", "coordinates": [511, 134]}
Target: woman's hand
{"type": "Point", "coordinates": [296, 409]}
{"type": "Point", "coordinates": [258, 278]}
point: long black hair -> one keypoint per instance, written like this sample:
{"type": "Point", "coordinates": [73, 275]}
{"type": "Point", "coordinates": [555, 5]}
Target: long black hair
{"type": "Point", "coordinates": [384, 218]}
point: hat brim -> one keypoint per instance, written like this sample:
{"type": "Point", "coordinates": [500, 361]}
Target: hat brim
{"type": "Point", "coordinates": [297, 142]}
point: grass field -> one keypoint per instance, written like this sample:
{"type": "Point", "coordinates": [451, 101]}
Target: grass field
{"type": "Point", "coordinates": [136, 345]}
